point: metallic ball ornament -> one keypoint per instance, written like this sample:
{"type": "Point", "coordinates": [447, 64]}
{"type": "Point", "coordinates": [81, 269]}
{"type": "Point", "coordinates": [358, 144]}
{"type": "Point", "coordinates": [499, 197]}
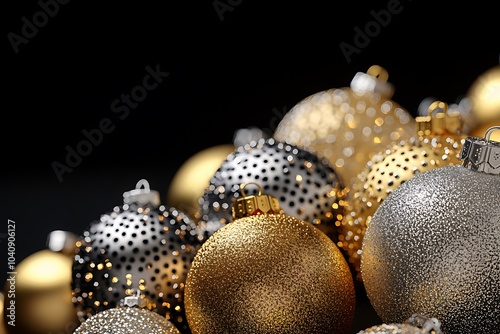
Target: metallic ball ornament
{"type": "Point", "coordinates": [192, 178]}
{"type": "Point", "coordinates": [347, 126]}
{"type": "Point", "coordinates": [267, 272]}
{"type": "Point", "coordinates": [433, 145]}
{"type": "Point", "coordinates": [141, 245]}
{"type": "Point", "coordinates": [432, 246]}
{"type": "Point", "coordinates": [484, 94]}
{"type": "Point", "coordinates": [307, 186]}
{"type": "Point", "coordinates": [126, 320]}
{"type": "Point", "coordinates": [416, 324]}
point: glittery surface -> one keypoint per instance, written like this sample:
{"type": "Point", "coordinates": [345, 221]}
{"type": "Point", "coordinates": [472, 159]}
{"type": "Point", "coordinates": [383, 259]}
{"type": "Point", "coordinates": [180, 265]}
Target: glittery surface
{"type": "Point", "coordinates": [345, 127]}
{"type": "Point", "coordinates": [135, 248]}
{"type": "Point", "coordinates": [269, 274]}
{"type": "Point", "coordinates": [433, 247]}
{"type": "Point", "coordinates": [394, 329]}
{"type": "Point", "coordinates": [126, 320]}
{"type": "Point", "coordinates": [305, 186]}
{"type": "Point", "coordinates": [385, 172]}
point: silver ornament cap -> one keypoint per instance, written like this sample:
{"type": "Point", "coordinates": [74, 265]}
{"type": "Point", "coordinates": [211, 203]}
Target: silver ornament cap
{"type": "Point", "coordinates": [482, 154]}
{"type": "Point", "coordinates": [142, 195]}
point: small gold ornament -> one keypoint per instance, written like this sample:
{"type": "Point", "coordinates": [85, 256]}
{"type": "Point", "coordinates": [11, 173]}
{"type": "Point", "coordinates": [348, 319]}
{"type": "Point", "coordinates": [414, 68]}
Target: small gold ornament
{"type": "Point", "coordinates": [347, 126]}
{"type": "Point", "coordinates": [436, 143]}
{"type": "Point", "coordinates": [130, 317]}
{"type": "Point", "coordinates": [42, 289]}
{"type": "Point", "coordinates": [433, 245]}
{"type": "Point", "coordinates": [484, 94]}
{"type": "Point", "coordinates": [416, 324]}
{"type": "Point", "coordinates": [267, 272]}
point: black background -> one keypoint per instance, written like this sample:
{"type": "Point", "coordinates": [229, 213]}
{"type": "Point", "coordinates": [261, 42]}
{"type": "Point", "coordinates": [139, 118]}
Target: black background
{"type": "Point", "coordinates": [224, 75]}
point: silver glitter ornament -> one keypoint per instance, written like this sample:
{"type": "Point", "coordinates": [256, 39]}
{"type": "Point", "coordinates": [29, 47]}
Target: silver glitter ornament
{"type": "Point", "coordinates": [128, 318]}
{"type": "Point", "coordinates": [306, 186]}
{"type": "Point", "coordinates": [141, 245]}
{"type": "Point", "coordinates": [433, 245]}
{"type": "Point", "coordinates": [416, 324]}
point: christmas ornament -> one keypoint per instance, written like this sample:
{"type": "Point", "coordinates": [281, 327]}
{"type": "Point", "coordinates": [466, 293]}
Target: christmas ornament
{"type": "Point", "coordinates": [191, 179]}
{"type": "Point", "coordinates": [416, 324]}
{"type": "Point", "coordinates": [478, 131]}
{"type": "Point", "coordinates": [432, 246]}
{"type": "Point", "coordinates": [306, 185]}
{"type": "Point", "coordinates": [437, 142]}
{"type": "Point", "coordinates": [131, 317]}
{"type": "Point", "coordinates": [268, 272]}
{"type": "Point", "coordinates": [484, 94]}
{"type": "Point", "coordinates": [348, 125]}
{"type": "Point", "coordinates": [41, 289]}
{"type": "Point", "coordinates": [140, 245]}
{"type": "Point", "coordinates": [3, 328]}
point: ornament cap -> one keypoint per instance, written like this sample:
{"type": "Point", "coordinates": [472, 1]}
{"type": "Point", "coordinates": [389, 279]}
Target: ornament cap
{"type": "Point", "coordinates": [482, 154]}
{"type": "Point", "coordinates": [254, 205]}
{"type": "Point", "coordinates": [142, 195]}
{"type": "Point", "coordinates": [373, 81]}
{"type": "Point", "coordinates": [62, 241]}
{"type": "Point", "coordinates": [439, 121]}
{"type": "Point", "coordinates": [134, 300]}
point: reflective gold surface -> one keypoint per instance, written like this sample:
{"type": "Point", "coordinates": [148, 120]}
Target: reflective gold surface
{"type": "Point", "coordinates": [484, 94]}
{"type": "Point", "coordinates": [269, 273]}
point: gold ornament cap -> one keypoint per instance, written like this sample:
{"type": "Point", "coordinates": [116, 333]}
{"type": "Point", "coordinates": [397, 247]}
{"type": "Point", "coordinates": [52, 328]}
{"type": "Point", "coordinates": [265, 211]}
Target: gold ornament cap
{"type": "Point", "coordinates": [482, 154]}
{"type": "Point", "coordinates": [142, 195]}
{"type": "Point", "coordinates": [373, 81]}
{"type": "Point", "coordinates": [254, 205]}
{"type": "Point", "coordinates": [439, 121]}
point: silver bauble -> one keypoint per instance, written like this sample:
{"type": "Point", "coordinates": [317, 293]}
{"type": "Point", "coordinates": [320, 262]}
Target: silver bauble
{"type": "Point", "coordinates": [433, 246]}
{"type": "Point", "coordinates": [140, 245]}
{"type": "Point", "coordinates": [306, 186]}
{"type": "Point", "coordinates": [126, 320]}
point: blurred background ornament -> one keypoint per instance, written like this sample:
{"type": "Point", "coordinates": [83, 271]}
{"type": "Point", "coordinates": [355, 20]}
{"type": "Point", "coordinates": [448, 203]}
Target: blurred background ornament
{"type": "Point", "coordinates": [437, 141]}
{"type": "Point", "coordinates": [307, 186]}
{"type": "Point", "coordinates": [432, 246]}
{"type": "Point", "coordinates": [192, 177]}
{"type": "Point", "coordinates": [268, 272]}
{"type": "Point", "coordinates": [141, 245]}
{"type": "Point", "coordinates": [347, 126]}
{"type": "Point", "coordinates": [484, 94]}
{"type": "Point", "coordinates": [3, 323]}
{"type": "Point", "coordinates": [416, 324]}
{"type": "Point", "coordinates": [42, 294]}
{"type": "Point", "coordinates": [130, 317]}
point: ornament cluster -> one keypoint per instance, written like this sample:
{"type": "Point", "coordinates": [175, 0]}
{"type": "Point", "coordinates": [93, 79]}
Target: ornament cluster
{"type": "Point", "coordinates": [283, 232]}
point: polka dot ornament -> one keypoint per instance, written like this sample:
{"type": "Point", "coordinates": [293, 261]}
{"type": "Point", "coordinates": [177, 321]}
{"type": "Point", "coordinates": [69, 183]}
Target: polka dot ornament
{"type": "Point", "coordinates": [306, 186]}
{"type": "Point", "coordinates": [136, 247]}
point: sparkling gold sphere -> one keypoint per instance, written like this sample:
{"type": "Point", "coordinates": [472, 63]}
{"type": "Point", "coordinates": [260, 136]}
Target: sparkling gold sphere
{"type": "Point", "coordinates": [485, 96]}
{"type": "Point", "coordinates": [348, 125]}
{"type": "Point", "coordinates": [193, 176]}
{"type": "Point", "coordinates": [43, 294]}
{"type": "Point", "coordinates": [126, 320]}
{"type": "Point", "coordinates": [269, 273]}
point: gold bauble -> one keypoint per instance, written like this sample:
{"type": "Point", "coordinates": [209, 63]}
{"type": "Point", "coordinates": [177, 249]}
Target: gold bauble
{"type": "Point", "coordinates": [3, 328]}
{"type": "Point", "coordinates": [192, 178]}
{"type": "Point", "coordinates": [480, 130]}
{"type": "Point", "coordinates": [437, 143]}
{"type": "Point", "coordinates": [43, 294]}
{"type": "Point", "coordinates": [348, 125]}
{"type": "Point", "coordinates": [269, 273]}
{"type": "Point", "coordinates": [484, 94]}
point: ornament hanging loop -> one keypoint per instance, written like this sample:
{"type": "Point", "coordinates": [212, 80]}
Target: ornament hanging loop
{"type": "Point", "coordinates": [487, 134]}
{"type": "Point", "coordinates": [142, 195]}
{"type": "Point", "coordinates": [250, 205]}
{"type": "Point", "coordinates": [439, 121]}
{"type": "Point", "coordinates": [373, 81]}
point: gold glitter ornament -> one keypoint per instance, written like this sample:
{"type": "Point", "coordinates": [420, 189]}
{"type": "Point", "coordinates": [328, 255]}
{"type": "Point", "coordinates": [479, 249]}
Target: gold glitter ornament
{"type": "Point", "coordinates": [131, 317]}
{"type": "Point", "coordinates": [347, 126]}
{"type": "Point", "coordinates": [436, 142]}
{"type": "Point", "coordinates": [416, 324]}
{"type": "Point", "coordinates": [267, 272]}
{"type": "Point", "coordinates": [432, 246]}
{"type": "Point", "coordinates": [139, 245]}
{"type": "Point", "coordinates": [484, 94]}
